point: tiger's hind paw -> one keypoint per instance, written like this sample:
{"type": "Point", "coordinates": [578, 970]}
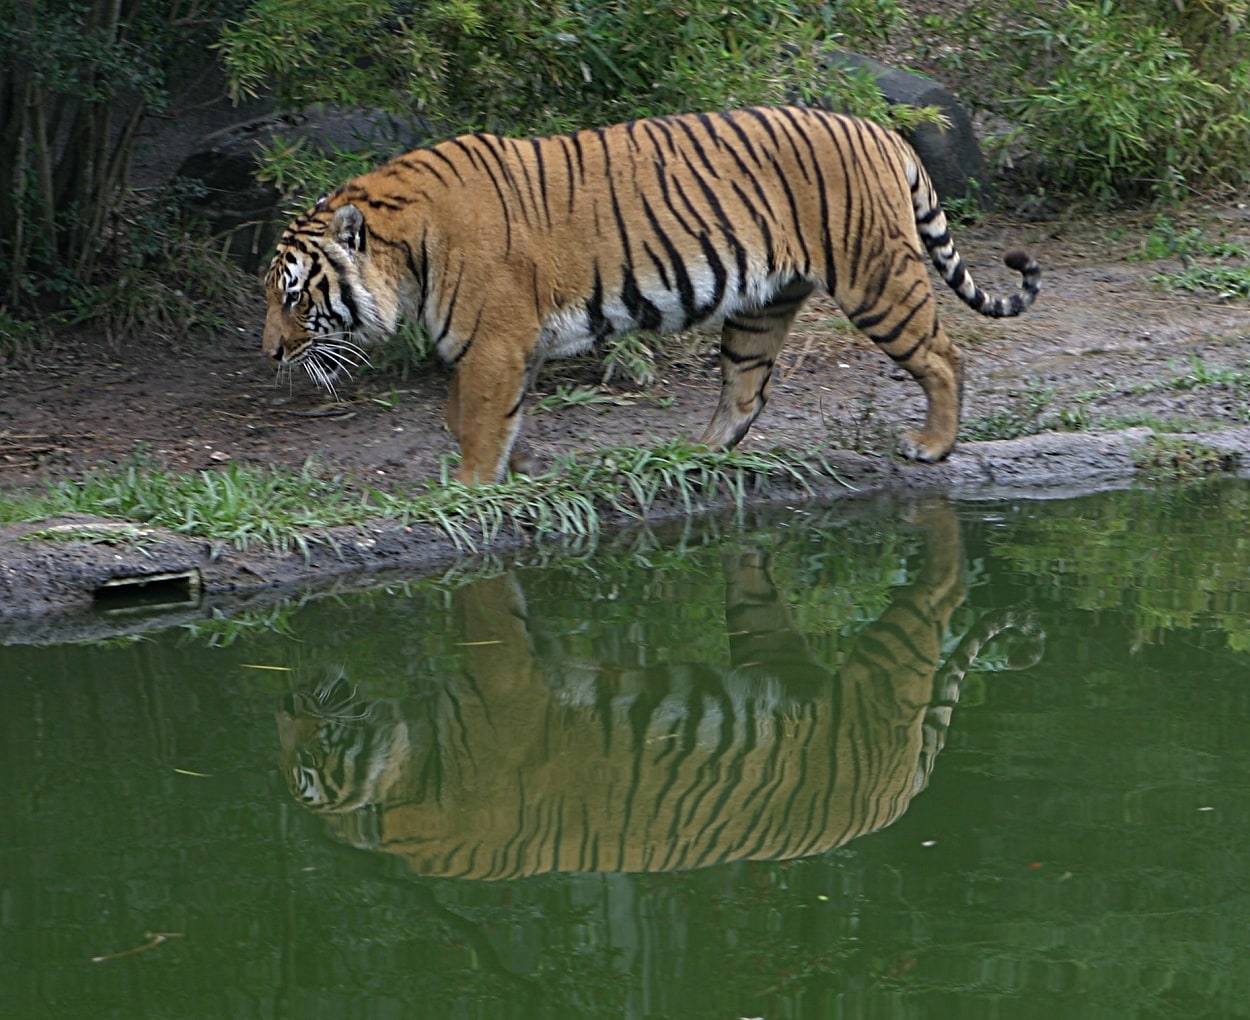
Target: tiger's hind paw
{"type": "Point", "coordinates": [924, 448]}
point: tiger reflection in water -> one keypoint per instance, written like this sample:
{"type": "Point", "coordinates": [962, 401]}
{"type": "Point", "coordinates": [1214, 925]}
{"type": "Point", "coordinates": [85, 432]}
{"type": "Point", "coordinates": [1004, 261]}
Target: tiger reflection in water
{"type": "Point", "coordinates": [530, 764]}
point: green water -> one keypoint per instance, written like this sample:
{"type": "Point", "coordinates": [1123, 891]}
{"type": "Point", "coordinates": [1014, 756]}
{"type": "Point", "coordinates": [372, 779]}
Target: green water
{"type": "Point", "coordinates": [893, 760]}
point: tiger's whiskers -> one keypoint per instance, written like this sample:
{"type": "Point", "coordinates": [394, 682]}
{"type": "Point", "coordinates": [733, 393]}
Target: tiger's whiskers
{"type": "Point", "coordinates": [342, 350]}
{"type": "Point", "coordinates": [336, 701]}
{"type": "Point", "coordinates": [321, 376]}
{"type": "Point", "coordinates": [329, 357]}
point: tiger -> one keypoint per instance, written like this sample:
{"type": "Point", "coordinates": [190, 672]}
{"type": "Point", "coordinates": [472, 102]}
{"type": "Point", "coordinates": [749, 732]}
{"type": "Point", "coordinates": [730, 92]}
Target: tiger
{"type": "Point", "coordinates": [511, 251]}
{"type": "Point", "coordinates": [537, 761]}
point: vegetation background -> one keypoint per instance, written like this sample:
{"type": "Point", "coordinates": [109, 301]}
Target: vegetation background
{"type": "Point", "coordinates": [1142, 100]}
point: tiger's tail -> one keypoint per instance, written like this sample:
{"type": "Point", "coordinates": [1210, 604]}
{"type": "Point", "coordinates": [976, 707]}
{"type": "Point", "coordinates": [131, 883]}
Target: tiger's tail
{"type": "Point", "coordinates": [948, 680]}
{"type": "Point", "coordinates": [936, 235]}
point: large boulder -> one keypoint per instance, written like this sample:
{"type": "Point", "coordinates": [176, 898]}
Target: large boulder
{"type": "Point", "coordinates": [248, 214]}
{"type": "Point", "coordinates": [950, 153]}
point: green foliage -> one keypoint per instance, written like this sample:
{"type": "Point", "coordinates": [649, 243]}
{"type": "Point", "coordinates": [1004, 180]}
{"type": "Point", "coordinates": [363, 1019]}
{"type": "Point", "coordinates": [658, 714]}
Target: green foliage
{"type": "Point", "coordinates": [693, 475]}
{"type": "Point", "coordinates": [1123, 99]}
{"type": "Point", "coordinates": [865, 431]}
{"type": "Point", "coordinates": [77, 77]}
{"type": "Point", "coordinates": [569, 500]}
{"type": "Point", "coordinates": [1222, 281]}
{"type": "Point", "coordinates": [1198, 376]}
{"type": "Point", "coordinates": [1079, 420]}
{"type": "Point", "coordinates": [1173, 459]}
{"type": "Point", "coordinates": [965, 210]}
{"type": "Point", "coordinates": [523, 68]}
{"type": "Point", "coordinates": [19, 337]}
{"type": "Point", "coordinates": [1166, 240]}
{"type": "Point", "coordinates": [854, 90]}
{"type": "Point", "coordinates": [239, 504]}
{"type": "Point", "coordinates": [154, 278]}
{"type": "Point", "coordinates": [1031, 412]}
{"type": "Point", "coordinates": [298, 170]}
{"type": "Point", "coordinates": [631, 355]}
{"type": "Point", "coordinates": [572, 396]}
{"type": "Point", "coordinates": [409, 350]}
{"type": "Point", "coordinates": [513, 65]}
{"type": "Point", "coordinates": [1205, 263]}
{"type": "Point", "coordinates": [862, 21]}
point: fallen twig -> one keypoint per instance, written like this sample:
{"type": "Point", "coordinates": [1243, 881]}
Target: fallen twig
{"type": "Point", "coordinates": [154, 939]}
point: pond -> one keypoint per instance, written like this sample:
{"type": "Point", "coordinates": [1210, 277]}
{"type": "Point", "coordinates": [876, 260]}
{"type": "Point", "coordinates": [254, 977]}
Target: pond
{"type": "Point", "coordinates": [884, 759]}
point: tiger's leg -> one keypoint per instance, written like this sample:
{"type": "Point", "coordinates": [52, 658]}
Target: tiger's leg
{"type": "Point", "coordinates": [899, 312]}
{"type": "Point", "coordinates": [748, 349]}
{"type": "Point", "coordinates": [484, 411]}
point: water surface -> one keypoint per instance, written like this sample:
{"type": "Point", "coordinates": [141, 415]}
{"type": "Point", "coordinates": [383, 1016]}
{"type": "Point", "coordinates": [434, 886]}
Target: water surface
{"type": "Point", "coordinates": [889, 760]}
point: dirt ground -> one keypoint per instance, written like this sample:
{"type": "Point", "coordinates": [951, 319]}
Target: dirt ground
{"type": "Point", "coordinates": [1103, 339]}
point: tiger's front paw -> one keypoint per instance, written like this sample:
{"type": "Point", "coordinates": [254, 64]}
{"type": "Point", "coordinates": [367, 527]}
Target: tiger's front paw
{"type": "Point", "coordinates": [924, 448]}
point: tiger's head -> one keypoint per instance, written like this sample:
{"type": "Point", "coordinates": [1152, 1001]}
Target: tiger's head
{"type": "Point", "coordinates": [329, 287]}
{"type": "Point", "coordinates": [339, 752]}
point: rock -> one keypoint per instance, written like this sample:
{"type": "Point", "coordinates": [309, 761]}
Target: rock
{"type": "Point", "coordinates": [951, 155]}
{"type": "Point", "coordinates": [250, 214]}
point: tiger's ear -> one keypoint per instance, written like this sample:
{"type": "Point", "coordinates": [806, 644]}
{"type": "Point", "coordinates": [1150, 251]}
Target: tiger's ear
{"type": "Point", "coordinates": [348, 226]}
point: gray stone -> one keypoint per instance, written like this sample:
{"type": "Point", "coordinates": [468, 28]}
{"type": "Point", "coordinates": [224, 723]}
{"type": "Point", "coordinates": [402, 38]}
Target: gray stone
{"type": "Point", "coordinates": [221, 170]}
{"type": "Point", "coordinates": [951, 154]}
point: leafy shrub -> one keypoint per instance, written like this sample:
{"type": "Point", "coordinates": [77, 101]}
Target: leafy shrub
{"type": "Point", "coordinates": [513, 65]}
{"type": "Point", "coordinates": [19, 338]}
{"type": "Point", "coordinates": [1123, 103]}
{"type": "Point", "coordinates": [1126, 99]}
{"type": "Point", "coordinates": [520, 67]}
{"type": "Point", "coordinates": [77, 77]}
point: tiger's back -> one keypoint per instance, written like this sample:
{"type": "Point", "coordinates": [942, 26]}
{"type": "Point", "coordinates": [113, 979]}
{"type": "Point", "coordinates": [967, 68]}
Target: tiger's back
{"type": "Point", "coordinates": [512, 251]}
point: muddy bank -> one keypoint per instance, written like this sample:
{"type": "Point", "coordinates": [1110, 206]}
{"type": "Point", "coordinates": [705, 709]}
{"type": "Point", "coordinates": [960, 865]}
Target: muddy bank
{"type": "Point", "coordinates": [80, 578]}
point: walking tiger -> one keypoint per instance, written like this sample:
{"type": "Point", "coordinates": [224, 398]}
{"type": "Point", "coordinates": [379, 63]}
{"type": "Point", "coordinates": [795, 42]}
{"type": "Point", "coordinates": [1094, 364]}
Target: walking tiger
{"type": "Point", "coordinates": [512, 251]}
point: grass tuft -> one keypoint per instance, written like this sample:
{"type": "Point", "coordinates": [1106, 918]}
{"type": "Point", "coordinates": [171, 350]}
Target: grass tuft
{"type": "Point", "coordinates": [1217, 267]}
{"type": "Point", "coordinates": [293, 510]}
{"type": "Point", "coordinates": [1030, 413]}
{"type": "Point", "coordinates": [1176, 459]}
{"type": "Point", "coordinates": [239, 504]}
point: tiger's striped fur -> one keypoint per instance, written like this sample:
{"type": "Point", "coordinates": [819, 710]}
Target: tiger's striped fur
{"type": "Point", "coordinates": [537, 762]}
{"type": "Point", "coordinates": [512, 251]}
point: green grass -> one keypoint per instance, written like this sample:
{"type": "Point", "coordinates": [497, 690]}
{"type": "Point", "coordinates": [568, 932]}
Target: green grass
{"type": "Point", "coordinates": [1217, 267]}
{"type": "Point", "coordinates": [1012, 423]}
{"type": "Point", "coordinates": [864, 431]}
{"type": "Point", "coordinates": [573, 396]}
{"type": "Point", "coordinates": [285, 510]}
{"type": "Point", "coordinates": [408, 351]}
{"type": "Point", "coordinates": [1198, 375]}
{"type": "Point", "coordinates": [1172, 459]}
{"type": "Point", "coordinates": [633, 356]}
{"type": "Point", "coordinates": [239, 505]}
{"type": "Point", "coordinates": [1144, 419]}
{"type": "Point", "coordinates": [1031, 412]}
{"type": "Point", "coordinates": [1224, 282]}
